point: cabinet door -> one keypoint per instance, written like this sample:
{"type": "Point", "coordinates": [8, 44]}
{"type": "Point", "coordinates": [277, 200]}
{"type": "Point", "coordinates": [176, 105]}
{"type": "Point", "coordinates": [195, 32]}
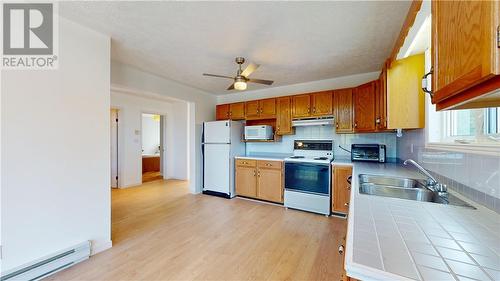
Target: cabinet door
{"type": "Point", "coordinates": [341, 188]}
{"type": "Point", "coordinates": [246, 181]}
{"type": "Point", "coordinates": [284, 116]}
{"type": "Point", "coordinates": [364, 108]}
{"type": "Point", "coordinates": [222, 112]}
{"type": "Point", "coordinates": [344, 115]}
{"type": "Point", "coordinates": [405, 98]}
{"type": "Point", "coordinates": [270, 184]}
{"type": "Point", "coordinates": [252, 109]}
{"type": "Point", "coordinates": [322, 103]}
{"type": "Point", "coordinates": [267, 108]}
{"type": "Point", "coordinates": [381, 101]}
{"type": "Point", "coordinates": [465, 47]}
{"type": "Point", "coordinates": [237, 111]}
{"type": "Point", "coordinates": [301, 106]}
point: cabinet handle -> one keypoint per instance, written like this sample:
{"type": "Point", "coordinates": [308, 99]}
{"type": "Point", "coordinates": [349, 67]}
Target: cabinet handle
{"type": "Point", "coordinates": [424, 83]}
{"type": "Point", "coordinates": [337, 125]}
{"type": "Point", "coordinates": [341, 249]}
{"type": "Point", "coordinates": [355, 124]}
{"type": "Point", "coordinates": [254, 173]}
{"type": "Point", "coordinates": [308, 110]}
{"type": "Point", "coordinates": [258, 174]}
{"type": "Point", "coordinates": [314, 109]}
{"type": "Point", "coordinates": [377, 121]}
{"type": "Point", "coordinates": [346, 204]}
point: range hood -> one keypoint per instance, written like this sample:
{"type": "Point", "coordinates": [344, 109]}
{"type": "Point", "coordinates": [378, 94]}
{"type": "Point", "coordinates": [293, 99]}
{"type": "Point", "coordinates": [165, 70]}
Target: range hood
{"type": "Point", "coordinates": [313, 122]}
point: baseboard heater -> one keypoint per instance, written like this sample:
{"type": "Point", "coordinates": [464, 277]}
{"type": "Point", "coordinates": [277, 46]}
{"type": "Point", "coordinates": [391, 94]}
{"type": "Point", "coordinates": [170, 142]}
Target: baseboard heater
{"type": "Point", "coordinates": [49, 265]}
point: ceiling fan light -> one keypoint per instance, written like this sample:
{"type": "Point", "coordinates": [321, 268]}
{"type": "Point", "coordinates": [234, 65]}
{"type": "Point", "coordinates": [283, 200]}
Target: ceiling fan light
{"type": "Point", "coordinates": [240, 85]}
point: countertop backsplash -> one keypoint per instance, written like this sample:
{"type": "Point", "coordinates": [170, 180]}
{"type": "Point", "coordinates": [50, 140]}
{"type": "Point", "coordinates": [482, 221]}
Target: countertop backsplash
{"type": "Point", "coordinates": [325, 132]}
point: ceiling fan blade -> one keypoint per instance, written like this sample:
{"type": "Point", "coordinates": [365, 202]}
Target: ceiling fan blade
{"type": "Point", "coordinates": [215, 75]}
{"type": "Point", "coordinates": [231, 87]}
{"type": "Point", "coordinates": [261, 81]}
{"type": "Point", "coordinates": [249, 69]}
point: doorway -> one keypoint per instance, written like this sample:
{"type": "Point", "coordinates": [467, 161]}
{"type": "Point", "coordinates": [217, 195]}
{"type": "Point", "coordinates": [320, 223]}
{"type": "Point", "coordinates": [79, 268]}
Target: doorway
{"type": "Point", "coordinates": [114, 147]}
{"type": "Point", "coordinates": [152, 140]}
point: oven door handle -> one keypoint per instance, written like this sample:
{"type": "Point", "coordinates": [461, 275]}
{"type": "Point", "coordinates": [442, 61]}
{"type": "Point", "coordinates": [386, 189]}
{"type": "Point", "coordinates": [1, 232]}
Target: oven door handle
{"type": "Point", "coordinates": [325, 165]}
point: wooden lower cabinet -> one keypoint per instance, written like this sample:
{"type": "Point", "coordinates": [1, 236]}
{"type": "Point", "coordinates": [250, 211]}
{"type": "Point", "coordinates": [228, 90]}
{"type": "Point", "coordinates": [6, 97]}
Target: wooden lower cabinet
{"type": "Point", "coordinates": [260, 179]}
{"type": "Point", "coordinates": [341, 188]}
{"type": "Point", "coordinates": [245, 181]}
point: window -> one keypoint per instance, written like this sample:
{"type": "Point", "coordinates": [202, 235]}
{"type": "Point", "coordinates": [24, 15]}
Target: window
{"type": "Point", "coordinates": [469, 126]}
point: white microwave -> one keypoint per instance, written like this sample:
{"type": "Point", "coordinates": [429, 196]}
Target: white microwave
{"type": "Point", "coordinates": [259, 132]}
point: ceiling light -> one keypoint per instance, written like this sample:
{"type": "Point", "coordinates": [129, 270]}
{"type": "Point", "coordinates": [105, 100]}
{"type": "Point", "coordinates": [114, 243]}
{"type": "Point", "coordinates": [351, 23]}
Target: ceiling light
{"type": "Point", "coordinates": [240, 84]}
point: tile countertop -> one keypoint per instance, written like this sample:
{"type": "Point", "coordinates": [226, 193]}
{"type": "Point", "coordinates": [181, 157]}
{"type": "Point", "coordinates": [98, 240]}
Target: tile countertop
{"type": "Point", "coordinates": [397, 239]}
{"type": "Point", "coordinates": [265, 156]}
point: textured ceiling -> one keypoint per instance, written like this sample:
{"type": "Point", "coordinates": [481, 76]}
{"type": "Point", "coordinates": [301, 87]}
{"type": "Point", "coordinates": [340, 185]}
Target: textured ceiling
{"type": "Point", "coordinates": [293, 42]}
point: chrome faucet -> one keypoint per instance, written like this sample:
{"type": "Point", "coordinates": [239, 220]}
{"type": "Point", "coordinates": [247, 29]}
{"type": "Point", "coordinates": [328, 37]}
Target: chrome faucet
{"type": "Point", "coordinates": [431, 182]}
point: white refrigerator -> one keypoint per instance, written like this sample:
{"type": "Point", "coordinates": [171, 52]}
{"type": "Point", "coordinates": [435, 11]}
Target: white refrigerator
{"type": "Point", "coordinates": [221, 142]}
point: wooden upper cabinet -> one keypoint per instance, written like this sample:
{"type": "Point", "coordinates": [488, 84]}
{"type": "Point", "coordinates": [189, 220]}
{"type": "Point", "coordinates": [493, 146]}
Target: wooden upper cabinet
{"type": "Point", "coordinates": [301, 106]}
{"type": "Point", "coordinates": [222, 112]}
{"type": "Point", "coordinates": [283, 116]}
{"type": "Point", "coordinates": [364, 108]}
{"type": "Point", "coordinates": [381, 101]}
{"type": "Point", "coordinates": [465, 53]}
{"type": "Point", "coordinates": [321, 103]}
{"type": "Point", "coordinates": [267, 108]}
{"type": "Point", "coordinates": [261, 109]}
{"type": "Point", "coordinates": [252, 109]}
{"type": "Point", "coordinates": [341, 188]}
{"type": "Point", "coordinates": [237, 111]}
{"type": "Point", "coordinates": [405, 98]}
{"type": "Point", "coordinates": [343, 104]}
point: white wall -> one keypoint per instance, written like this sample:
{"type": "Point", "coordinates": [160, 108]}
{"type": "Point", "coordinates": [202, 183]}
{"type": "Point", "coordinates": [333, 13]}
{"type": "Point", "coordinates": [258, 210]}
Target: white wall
{"type": "Point", "coordinates": [131, 106]}
{"type": "Point", "coordinates": [314, 86]}
{"type": "Point", "coordinates": [201, 107]}
{"type": "Point", "coordinates": [327, 132]}
{"type": "Point", "coordinates": [150, 134]}
{"type": "Point", "coordinates": [56, 151]}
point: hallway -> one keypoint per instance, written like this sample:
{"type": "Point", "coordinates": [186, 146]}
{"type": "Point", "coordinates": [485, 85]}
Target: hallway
{"type": "Point", "coordinates": [162, 232]}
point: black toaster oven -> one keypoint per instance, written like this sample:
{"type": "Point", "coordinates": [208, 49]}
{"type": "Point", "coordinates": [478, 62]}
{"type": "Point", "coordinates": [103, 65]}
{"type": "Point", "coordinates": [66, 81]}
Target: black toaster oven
{"type": "Point", "coordinates": [368, 152]}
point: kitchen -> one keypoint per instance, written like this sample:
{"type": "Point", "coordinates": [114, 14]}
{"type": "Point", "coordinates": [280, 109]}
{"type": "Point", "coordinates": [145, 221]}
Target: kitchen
{"type": "Point", "coordinates": [301, 140]}
{"type": "Point", "coordinates": [338, 153]}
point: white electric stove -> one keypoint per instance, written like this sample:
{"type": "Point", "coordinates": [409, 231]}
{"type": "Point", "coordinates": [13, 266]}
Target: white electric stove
{"type": "Point", "coordinates": [307, 176]}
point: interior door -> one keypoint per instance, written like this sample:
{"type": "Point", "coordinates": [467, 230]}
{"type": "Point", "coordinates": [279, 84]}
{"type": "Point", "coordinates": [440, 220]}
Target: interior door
{"type": "Point", "coordinates": [114, 148]}
{"type": "Point", "coordinates": [217, 132]}
{"type": "Point", "coordinates": [216, 168]}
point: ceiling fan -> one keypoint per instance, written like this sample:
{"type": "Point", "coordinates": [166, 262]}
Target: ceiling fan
{"type": "Point", "coordinates": [241, 78]}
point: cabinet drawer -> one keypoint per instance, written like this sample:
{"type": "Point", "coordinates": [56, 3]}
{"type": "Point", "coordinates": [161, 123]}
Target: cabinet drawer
{"type": "Point", "coordinates": [269, 164]}
{"type": "Point", "coordinates": [246, 162]}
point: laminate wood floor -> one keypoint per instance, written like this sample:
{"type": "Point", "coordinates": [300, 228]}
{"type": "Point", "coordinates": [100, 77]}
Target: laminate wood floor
{"type": "Point", "coordinates": [162, 232]}
{"type": "Point", "coordinates": [151, 176]}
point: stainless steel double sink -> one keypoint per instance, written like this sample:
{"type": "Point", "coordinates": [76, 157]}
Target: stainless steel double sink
{"type": "Point", "coordinates": [404, 188]}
